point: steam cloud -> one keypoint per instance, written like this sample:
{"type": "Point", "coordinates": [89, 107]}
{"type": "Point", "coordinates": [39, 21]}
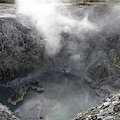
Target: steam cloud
{"type": "Point", "coordinates": [50, 20]}
{"type": "Point", "coordinates": [89, 29]}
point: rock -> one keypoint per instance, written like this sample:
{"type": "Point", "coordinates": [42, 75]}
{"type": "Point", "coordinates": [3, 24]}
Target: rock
{"type": "Point", "coordinates": [41, 117]}
{"type": "Point", "coordinates": [18, 94]}
{"type": "Point", "coordinates": [117, 108]}
{"type": "Point", "coordinates": [6, 114]}
{"type": "Point", "coordinates": [107, 86]}
{"type": "Point", "coordinates": [21, 54]}
{"type": "Point", "coordinates": [113, 56]}
{"type": "Point", "coordinates": [94, 117]}
{"type": "Point", "coordinates": [37, 86]}
{"type": "Point", "coordinates": [98, 70]}
{"type": "Point", "coordinates": [96, 55]}
{"type": "Point", "coordinates": [21, 90]}
{"type": "Point", "coordinates": [118, 63]}
{"type": "Point", "coordinates": [106, 111]}
{"type": "Point", "coordinates": [107, 104]}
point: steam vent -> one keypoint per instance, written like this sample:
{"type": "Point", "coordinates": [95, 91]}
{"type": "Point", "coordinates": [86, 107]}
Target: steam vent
{"type": "Point", "coordinates": [59, 60]}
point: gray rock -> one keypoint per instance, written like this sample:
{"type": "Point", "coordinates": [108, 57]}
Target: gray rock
{"type": "Point", "coordinates": [106, 111]}
{"type": "Point", "coordinates": [6, 114]}
{"type": "Point", "coordinates": [113, 56]}
{"type": "Point", "coordinates": [20, 51]}
{"type": "Point", "coordinates": [94, 55]}
{"type": "Point", "coordinates": [117, 107]}
{"type": "Point", "coordinates": [98, 70]}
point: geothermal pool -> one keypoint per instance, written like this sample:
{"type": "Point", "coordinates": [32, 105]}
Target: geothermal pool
{"type": "Point", "coordinates": [64, 95]}
{"type": "Point", "coordinates": [63, 98]}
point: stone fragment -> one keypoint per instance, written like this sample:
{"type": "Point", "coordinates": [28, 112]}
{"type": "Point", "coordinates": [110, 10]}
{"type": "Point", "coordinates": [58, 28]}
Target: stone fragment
{"type": "Point", "coordinates": [36, 85]}
{"type": "Point", "coordinates": [18, 94]}
{"type": "Point", "coordinates": [6, 114]}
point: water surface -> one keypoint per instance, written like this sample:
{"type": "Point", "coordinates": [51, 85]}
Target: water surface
{"type": "Point", "coordinates": [63, 98]}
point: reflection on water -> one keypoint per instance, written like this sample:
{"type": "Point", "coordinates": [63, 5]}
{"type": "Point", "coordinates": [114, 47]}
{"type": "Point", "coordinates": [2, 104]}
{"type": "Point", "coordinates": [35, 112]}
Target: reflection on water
{"type": "Point", "coordinates": [62, 99]}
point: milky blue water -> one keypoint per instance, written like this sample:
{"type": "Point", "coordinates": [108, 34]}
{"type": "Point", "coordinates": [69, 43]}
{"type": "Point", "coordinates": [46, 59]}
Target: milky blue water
{"type": "Point", "coordinates": [63, 98]}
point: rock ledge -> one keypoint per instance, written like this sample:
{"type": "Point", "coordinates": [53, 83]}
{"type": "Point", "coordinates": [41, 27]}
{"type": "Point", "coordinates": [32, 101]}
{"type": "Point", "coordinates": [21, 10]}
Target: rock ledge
{"type": "Point", "coordinates": [6, 114]}
{"type": "Point", "coordinates": [109, 110]}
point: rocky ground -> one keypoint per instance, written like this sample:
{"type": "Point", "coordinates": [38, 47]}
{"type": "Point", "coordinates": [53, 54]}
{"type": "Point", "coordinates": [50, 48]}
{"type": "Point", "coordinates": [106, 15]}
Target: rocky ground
{"type": "Point", "coordinates": [6, 114]}
{"type": "Point", "coordinates": [109, 110]}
